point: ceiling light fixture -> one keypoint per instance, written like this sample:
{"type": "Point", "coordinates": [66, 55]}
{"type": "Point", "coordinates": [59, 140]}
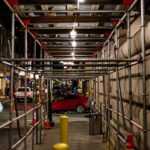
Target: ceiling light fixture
{"type": "Point", "coordinates": [73, 33]}
{"type": "Point", "coordinates": [72, 53]}
{"type": "Point", "coordinates": [74, 43]}
{"type": "Point", "coordinates": [73, 58]}
{"type": "Point", "coordinates": [81, 1]}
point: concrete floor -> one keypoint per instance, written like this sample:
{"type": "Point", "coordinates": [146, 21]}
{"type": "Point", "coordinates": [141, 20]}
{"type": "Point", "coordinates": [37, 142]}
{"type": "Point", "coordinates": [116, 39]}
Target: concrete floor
{"type": "Point", "coordinates": [79, 138]}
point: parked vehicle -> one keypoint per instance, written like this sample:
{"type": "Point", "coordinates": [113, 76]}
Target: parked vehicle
{"type": "Point", "coordinates": [71, 102]}
{"type": "Point", "coordinates": [20, 94]}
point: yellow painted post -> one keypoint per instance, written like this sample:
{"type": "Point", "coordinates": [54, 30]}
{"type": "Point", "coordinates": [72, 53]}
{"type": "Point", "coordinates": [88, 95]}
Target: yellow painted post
{"type": "Point", "coordinates": [60, 146]}
{"type": "Point", "coordinates": [64, 129]}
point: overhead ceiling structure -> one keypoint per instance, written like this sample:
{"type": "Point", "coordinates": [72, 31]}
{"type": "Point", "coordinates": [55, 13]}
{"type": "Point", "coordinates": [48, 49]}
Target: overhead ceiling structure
{"type": "Point", "coordinates": [51, 21]}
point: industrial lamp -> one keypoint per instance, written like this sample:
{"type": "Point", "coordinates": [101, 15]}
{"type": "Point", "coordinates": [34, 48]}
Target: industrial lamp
{"type": "Point", "coordinates": [81, 1]}
{"type": "Point", "coordinates": [72, 53]}
{"type": "Point", "coordinates": [73, 34]}
{"type": "Point", "coordinates": [74, 43]}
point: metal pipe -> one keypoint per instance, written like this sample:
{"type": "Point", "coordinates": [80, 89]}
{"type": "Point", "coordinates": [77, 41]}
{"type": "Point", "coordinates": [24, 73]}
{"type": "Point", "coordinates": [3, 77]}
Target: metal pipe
{"type": "Point", "coordinates": [14, 66]}
{"type": "Point", "coordinates": [98, 88]}
{"type": "Point", "coordinates": [40, 99]}
{"type": "Point", "coordinates": [125, 117]}
{"type": "Point", "coordinates": [104, 102]}
{"type": "Point", "coordinates": [5, 124]}
{"type": "Point", "coordinates": [145, 146]}
{"type": "Point", "coordinates": [114, 131]}
{"type": "Point", "coordinates": [120, 98]}
{"type": "Point", "coordinates": [12, 79]}
{"type": "Point", "coordinates": [108, 56]}
{"type": "Point", "coordinates": [33, 105]}
{"type": "Point", "coordinates": [25, 84]}
{"type": "Point", "coordinates": [129, 69]}
{"type": "Point", "coordinates": [118, 85]}
{"type": "Point", "coordinates": [35, 94]}
{"type": "Point", "coordinates": [68, 71]}
{"type": "Point", "coordinates": [70, 59]}
{"type": "Point", "coordinates": [70, 77]}
{"type": "Point", "coordinates": [50, 104]}
{"type": "Point", "coordinates": [65, 28]}
{"type": "Point", "coordinates": [72, 73]}
{"type": "Point", "coordinates": [70, 39]}
{"type": "Point", "coordinates": [77, 65]}
{"type": "Point", "coordinates": [71, 11]}
{"type": "Point", "coordinates": [17, 16]}
{"type": "Point", "coordinates": [117, 88]}
{"type": "Point", "coordinates": [120, 21]}
{"type": "Point", "coordinates": [40, 110]}
{"type": "Point", "coordinates": [19, 117]}
{"type": "Point", "coordinates": [25, 136]}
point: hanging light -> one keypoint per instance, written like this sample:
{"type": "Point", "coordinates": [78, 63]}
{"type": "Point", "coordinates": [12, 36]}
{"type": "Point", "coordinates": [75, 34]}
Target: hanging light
{"type": "Point", "coordinates": [74, 43]}
{"type": "Point", "coordinates": [81, 1]}
{"type": "Point", "coordinates": [73, 34]}
{"type": "Point", "coordinates": [37, 76]}
{"type": "Point", "coordinates": [72, 53]}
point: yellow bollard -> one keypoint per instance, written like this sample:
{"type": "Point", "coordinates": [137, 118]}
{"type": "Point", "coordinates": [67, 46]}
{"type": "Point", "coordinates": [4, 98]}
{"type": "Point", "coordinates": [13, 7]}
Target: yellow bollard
{"type": "Point", "coordinates": [64, 129]}
{"type": "Point", "coordinates": [60, 146]}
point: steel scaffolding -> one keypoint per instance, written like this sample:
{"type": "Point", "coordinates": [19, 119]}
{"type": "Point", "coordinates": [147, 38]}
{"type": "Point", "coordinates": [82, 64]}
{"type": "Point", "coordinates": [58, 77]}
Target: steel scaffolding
{"type": "Point", "coordinates": [101, 67]}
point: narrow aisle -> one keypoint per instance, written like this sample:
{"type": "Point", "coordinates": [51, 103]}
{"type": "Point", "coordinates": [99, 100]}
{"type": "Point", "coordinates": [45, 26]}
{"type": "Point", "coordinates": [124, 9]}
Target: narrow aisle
{"type": "Point", "coordinates": [79, 138]}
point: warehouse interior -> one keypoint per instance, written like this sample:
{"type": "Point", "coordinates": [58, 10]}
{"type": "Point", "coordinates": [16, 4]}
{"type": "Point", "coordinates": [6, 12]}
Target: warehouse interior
{"type": "Point", "coordinates": [104, 44]}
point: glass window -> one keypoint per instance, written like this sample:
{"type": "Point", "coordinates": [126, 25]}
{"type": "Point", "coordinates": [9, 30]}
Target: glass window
{"type": "Point", "coordinates": [23, 90]}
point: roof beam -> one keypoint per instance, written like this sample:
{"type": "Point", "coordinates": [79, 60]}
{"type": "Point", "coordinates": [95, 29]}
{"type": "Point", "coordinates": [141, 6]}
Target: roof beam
{"type": "Point", "coordinates": [64, 2]}
{"type": "Point", "coordinates": [67, 31]}
{"type": "Point", "coordinates": [66, 19]}
{"type": "Point", "coordinates": [69, 39]}
{"type": "Point", "coordinates": [69, 49]}
{"type": "Point", "coordinates": [65, 55]}
{"type": "Point", "coordinates": [70, 46]}
{"type": "Point", "coordinates": [68, 52]}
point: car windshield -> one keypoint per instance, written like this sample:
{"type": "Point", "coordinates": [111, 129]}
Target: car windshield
{"type": "Point", "coordinates": [70, 96]}
{"type": "Point", "coordinates": [23, 89]}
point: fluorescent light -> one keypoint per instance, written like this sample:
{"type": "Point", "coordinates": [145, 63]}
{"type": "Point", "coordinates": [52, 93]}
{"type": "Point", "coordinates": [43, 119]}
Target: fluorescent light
{"type": "Point", "coordinates": [73, 34]}
{"type": "Point", "coordinates": [21, 73]}
{"type": "Point", "coordinates": [72, 53]}
{"type": "Point", "coordinates": [75, 24]}
{"type": "Point", "coordinates": [81, 1]}
{"type": "Point", "coordinates": [74, 43]}
{"type": "Point", "coordinates": [73, 58]}
{"type": "Point", "coordinates": [36, 76]}
{"type": "Point", "coordinates": [31, 76]}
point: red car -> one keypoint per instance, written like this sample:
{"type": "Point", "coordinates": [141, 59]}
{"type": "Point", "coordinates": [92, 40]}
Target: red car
{"type": "Point", "coordinates": [71, 102]}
